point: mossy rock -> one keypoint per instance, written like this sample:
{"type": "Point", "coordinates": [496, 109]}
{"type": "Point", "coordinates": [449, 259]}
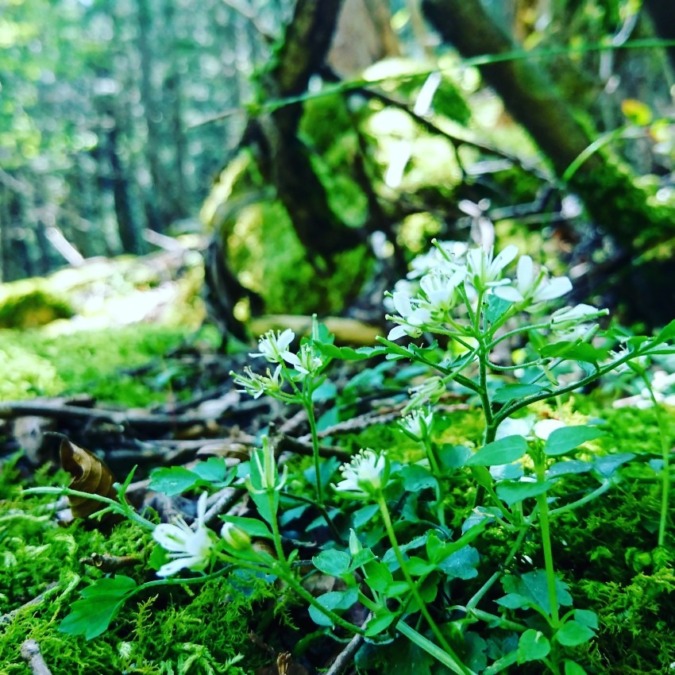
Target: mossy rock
{"type": "Point", "coordinates": [32, 308]}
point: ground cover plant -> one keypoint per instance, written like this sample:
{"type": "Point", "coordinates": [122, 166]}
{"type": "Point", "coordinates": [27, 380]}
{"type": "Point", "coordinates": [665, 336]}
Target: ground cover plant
{"type": "Point", "coordinates": [490, 515]}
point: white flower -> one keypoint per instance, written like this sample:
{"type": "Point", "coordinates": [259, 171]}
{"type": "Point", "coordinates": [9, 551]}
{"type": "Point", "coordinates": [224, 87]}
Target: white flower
{"type": "Point", "coordinates": [256, 385]}
{"type": "Point", "coordinates": [188, 548]}
{"type": "Point", "coordinates": [410, 318]}
{"type": "Point", "coordinates": [535, 288]}
{"type": "Point", "coordinates": [544, 428]}
{"type": "Point", "coordinates": [528, 428]}
{"type": "Point", "coordinates": [366, 473]}
{"type": "Point", "coordinates": [267, 478]}
{"type": "Point", "coordinates": [445, 256]}
{"type": "Point", "coordinates": [439, 291]}
{"type": "Point", "coordinates": [274, 346]}
{"type": "Point", "coordinates": [483, 271]}
{"type": "Point", "coordinates": [572, 315]}
{"type": "Point", "coordinates": [428, 392]}
{"type": "Point", "coordinates": [308, 362]}
{"type": "Point", "coordinates": [417, 423]}
{"type": "Point", "coordinates": [521, 426]}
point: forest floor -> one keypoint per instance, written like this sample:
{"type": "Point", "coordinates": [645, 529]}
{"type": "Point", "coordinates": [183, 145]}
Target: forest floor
{"type": "Point", "coordinates": [148, 397]}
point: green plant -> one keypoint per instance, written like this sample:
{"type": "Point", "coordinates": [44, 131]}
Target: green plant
{"type": "Point", "coordinates": [417, 565]}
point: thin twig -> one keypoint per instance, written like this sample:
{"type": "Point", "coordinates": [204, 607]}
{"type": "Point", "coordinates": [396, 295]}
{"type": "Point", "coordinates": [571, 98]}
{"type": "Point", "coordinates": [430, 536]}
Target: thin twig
{"type": "Point", "coordinates": [345, 657]}
{"type": "Point", "coordinates": [38, 599]}
{"type": "Point", "coordinates": [30, 652]}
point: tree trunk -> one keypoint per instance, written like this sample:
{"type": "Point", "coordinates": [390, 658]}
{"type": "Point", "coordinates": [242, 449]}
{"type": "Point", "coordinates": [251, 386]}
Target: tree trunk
{"type": "Point", "coordinates": [607, 189]}
{"type": "Point", "coordinates": [284, 159]}
{"type": "Point", "coordinates": [129, 230]}
{"type": "Point", "coordinates": [157, 217]}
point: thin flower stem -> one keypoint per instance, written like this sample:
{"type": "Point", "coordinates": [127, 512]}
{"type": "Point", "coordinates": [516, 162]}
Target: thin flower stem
{"type": "Point", "coordinates": [545, 528]}
{"type": "Point", "coordinates": [478, 596]}
{"type": "Point", "coordinates": [276, 535]}
{"type": "Point", "coordinates": [665, 469]}
{"type": "Point", "coordinates": [309, 408]}
{"type": "Point", "coordinates": [112, 505]}
{"type": "Point", "coordinates": [411, 584]}
{"type": "Point", "coordinates": [606, 485]}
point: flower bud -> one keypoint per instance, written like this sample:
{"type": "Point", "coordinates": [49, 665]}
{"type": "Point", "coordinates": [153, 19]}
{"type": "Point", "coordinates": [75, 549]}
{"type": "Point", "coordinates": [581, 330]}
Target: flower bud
{"type": "Point", "coordinates": [235, 537]}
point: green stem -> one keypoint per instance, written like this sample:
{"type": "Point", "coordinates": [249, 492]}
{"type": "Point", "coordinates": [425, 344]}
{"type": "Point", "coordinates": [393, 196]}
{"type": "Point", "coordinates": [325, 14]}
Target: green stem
{"type": "Point", "coordinates": [276, 534]}
{"type": "Point", "coordinates": [665, 469]}
{"type": "Point", "coordinates": [545, 528]}
{"type": "Point", "coordinates": [411, 584]}
{"type": "Point", "coordinates": [112, 505]}
{"type": "Point", "coordinates": [297, 587]}
{"type": "Point", "coordinates": [309, 408]}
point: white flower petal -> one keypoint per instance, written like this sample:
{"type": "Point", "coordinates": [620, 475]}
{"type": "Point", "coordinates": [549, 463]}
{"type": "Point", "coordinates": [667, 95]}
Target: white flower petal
{"type": "Point", "coordinates": [514, 427]}
{"type": "Point", "coordinates": [503, 259]}
{"type": "Point", "coordinates": [544, 428]}
{"type": "Point", "coordinates": [525, 274]}
{"type": "Point", "coordinates": [396, 332]}
{"type": "Point", "coordinates": [555, 288]}
{"type": "Point", "coordinates": [508, 293]}
{"type": "Point", "coordinates": [173, 567]}
{"type": "Point", "coordinates": [172, 537]}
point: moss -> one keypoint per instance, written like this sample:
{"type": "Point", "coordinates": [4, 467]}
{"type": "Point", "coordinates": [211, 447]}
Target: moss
{"type": "Point", "coordinates": [22, 306]}
{"type": "Point", "coordinates": [157, 633]}
{"type": "Point", "coordinates": [36, 364]}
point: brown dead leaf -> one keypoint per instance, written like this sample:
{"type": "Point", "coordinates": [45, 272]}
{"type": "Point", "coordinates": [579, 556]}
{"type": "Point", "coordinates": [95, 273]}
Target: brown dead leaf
{"type": "Point", "coordinates": [90, 474]}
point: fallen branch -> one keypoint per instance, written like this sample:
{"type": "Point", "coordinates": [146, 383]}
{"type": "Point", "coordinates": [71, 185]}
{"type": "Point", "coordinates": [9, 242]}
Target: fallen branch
{"type": "Point", "coordinates": [14, 409]}
{"type": "Point", "coordinates": [30, 652]}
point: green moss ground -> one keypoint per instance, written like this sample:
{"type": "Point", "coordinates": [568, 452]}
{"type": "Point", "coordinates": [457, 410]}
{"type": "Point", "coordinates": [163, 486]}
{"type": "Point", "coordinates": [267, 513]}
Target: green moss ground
{"type": "Point", "coordinates": [605, 551]}
{"type": "Point", "coordinates": [33, 363]}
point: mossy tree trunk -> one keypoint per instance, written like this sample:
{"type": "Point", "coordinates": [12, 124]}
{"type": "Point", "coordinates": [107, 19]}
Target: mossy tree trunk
{"type": "Point", "coordinates": [283, 158]}
{"type": "Point", "coordinates": [606, 187]}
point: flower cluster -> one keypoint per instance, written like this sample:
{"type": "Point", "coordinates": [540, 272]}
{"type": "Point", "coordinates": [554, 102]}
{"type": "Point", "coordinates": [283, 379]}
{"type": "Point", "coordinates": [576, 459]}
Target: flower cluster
{"type": "Point", "coordinates": [452, 275]}
{"type": "Point", "coordinates": [275, 348]}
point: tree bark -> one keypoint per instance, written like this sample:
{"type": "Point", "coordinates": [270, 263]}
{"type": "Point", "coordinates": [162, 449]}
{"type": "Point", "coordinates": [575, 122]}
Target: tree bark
{"type": "Point", "coordinates": [606, 187]}
{"type": "Point", "coordinates": [284, 159]}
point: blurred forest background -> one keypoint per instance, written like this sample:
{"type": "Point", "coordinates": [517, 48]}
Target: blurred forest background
{"type": "Point", "coordinates": [301, 137]}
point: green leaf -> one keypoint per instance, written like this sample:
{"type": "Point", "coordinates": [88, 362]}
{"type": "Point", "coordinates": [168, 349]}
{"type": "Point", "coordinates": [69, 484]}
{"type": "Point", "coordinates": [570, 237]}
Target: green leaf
{"type": "Point", "coordinates": [575, 351]}
{"type": "Point", "coordinates": [573, 668]}
{"type": "Point", "coordinates": [379, 622]}
{"type": "Point", "coordinates": [567, 467]}
{"type": "Point", "coordinates": [334, 563]}
{"type": "Point", "coordinates": [212, 470]}
{"type": "Point", "coordinates": [533, 646]}
{"type": "Point", "coordinates": [512, 492]}
{"type": "Point", "coordinates": [531, 590]}
{"type": "Point", "coordinates": [363, 557]}
{"type": "Point", "coordinates": [461, 564]}
{"type": "Point", "coordinates": [514, 391]}
{"type": "Point", "coordinates": [349, 353]}
{"type": "Point", "coordinates": [503, 451]}
{"type": "Point", "coordinates": [416, 478]}
{"type": "Point", "coordinates": [587, 618]}
{"type": "Point", "coordinates": [335, 601]}
{"type": "Point", "coordinates": [496, 308]}
{"type": "Point", "coordinates": [573, 633]}
{"type": "Point", "coordinates": [568, 438]}
{"type": "Point", "coordinates": [379, 576]}
{"type": "Point", "coordinates": [606, 466]}
{"type": "Point", "coordinates": [173, 480]}
{"type": "Point", "coordinates": [252, 526]}
{"type": "Point", "coordinates": [99, 605]}
{"type": "Point", "coordinates": [418, 567]}
{"type": "Point", "coordinates": [666, 334]}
